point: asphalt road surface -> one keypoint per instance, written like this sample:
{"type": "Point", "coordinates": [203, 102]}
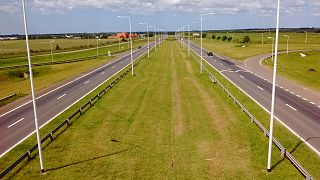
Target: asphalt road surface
{"type": "Point", "coordinates": [18, 124]}
{"type": "Point", "coordinates": [298, 115]}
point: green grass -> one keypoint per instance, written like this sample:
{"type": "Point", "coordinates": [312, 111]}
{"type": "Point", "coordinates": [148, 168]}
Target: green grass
{"type": "Point", "coordinates": [255, 47]}
{"type": "Point", "coordinates": [309, 159]}
{"type": "Point", "coordinates": [298, 68]}
{"type": "Point", "coordinates": [167, 122]}
{"type": "Point", "coordinates": [58, 57]}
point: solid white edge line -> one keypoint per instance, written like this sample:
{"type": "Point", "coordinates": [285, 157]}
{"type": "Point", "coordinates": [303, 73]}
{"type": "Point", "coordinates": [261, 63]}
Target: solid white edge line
{"type": "Point", "coordinates": [69, 106]}
{"type": "Point", "coordinates": [286, 126]}
{"type": "Point", "coordinates": [67, 83]}
{"type": "Point", "coordinates": [15, 123]}
{"type": "Point", "coordinates": [291, 107]}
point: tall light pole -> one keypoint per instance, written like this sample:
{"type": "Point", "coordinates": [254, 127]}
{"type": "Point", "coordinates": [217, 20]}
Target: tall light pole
{"type": "Point", "coordinates": [32, 88]}
{"type": "Point", "coordinates": [148, 38]}
{"type": "Point", "coordinates": [159, 36]}
{"type": "Point", "coordinates": [129, 18]}
{"type": "Point", "coordinates": [98, 46]}
{"type": "Point", "coordinates": [51, 50]}
{"type": "Point", "coordinates": [262, 38]}
{"type": "Point", "coordinates": [1, 47]}
{"type": "Point", "coordinates": [287, 43]}
{"type": "Point", "coordinates": [119, 44]}
{"type": "Point", "coordinates": [272, 47]}
{"type": "Point", "coordinates": [155, 38]}
{"type": "Point", "coordinates": [305, 41]}
{"type": "Point", "coordinates": [201, 57]}
{"type": "Point", "coordinates": [273, 89]}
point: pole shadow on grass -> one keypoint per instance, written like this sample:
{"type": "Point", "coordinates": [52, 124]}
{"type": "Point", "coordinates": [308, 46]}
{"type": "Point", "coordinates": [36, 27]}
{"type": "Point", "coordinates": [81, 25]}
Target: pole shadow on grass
{"type": "Point", "coordinates": [95, 158]}
{"type": "Point", "coordinates": [292, 151]}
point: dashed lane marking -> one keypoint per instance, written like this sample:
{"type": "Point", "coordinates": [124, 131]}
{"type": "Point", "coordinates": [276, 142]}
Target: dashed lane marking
{"type": "Point", "coordinates": [15, 122]}
{"type": "Point", "coordinates": [291, 107]}
{"type": "Point", "coordinates": [61, 96]}
{"type": "Point", "coordinates": [260, 88]}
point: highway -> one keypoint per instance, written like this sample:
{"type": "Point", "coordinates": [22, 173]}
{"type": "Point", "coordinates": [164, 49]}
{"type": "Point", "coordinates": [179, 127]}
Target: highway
{"type": "Point", "coordinates": [18, 124]}
{"type": "Point", "coordinates": [296, 113]}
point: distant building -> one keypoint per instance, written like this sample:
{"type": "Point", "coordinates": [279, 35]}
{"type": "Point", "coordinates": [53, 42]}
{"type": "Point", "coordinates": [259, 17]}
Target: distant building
{"type": "Point", "coordinates": [121, 35]}
{"type": "Point", "coordinates": [196, 35]}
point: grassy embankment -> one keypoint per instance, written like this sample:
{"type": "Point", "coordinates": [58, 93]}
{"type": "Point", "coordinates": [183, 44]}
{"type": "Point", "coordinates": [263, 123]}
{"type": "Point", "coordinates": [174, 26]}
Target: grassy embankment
{"type": "Point", "coordinates": [165, 122]}
{"type": "Point", "coordinates": [304, 70]}
{"type": "Point", "coordinates": [234, 49]}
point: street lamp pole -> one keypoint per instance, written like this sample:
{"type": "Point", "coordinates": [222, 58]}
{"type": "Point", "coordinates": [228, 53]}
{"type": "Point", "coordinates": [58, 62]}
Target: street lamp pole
{"type": "Point", "coordinates": [148, 38]}
{"type": "Point", "coordinates": [287, 43]}
{"type": "Point", "coordinates": [272, 47]}
{"type": "Point", "coordinates": [98, 47]}
{"type": "Point", "coordinates": [201, 57]}
{"type": "Point", "coordinates": [273, 90]}
{"type": "Point", "coordinates": [32, 88]}
{"type": "Point", "coordinates": [262, 38]}
{"type": "Point", "coordinates": [1, 47]}
{"type": "Point", "coordinates": [305, 41]}
{"type": "Point", "coordinates": [51, 50]}
{"type": "Point", "coordinates": [129, 18]}
{"type": "Point", "coordinates": [189, 38]}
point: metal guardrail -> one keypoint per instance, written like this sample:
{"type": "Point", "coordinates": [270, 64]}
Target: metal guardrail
{"type": "Point", "coordinates": [284, 152]}
{"type": "Point", "coordinates": [67, 122]}
{"type": "Point", "coordinates": [7, 97]}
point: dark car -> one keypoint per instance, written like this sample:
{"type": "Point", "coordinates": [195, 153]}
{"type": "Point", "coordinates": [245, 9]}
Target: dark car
{"type": "Point", "coordinates": [209, 53]}
{"type": "Point", "coordinates": [139, 47]}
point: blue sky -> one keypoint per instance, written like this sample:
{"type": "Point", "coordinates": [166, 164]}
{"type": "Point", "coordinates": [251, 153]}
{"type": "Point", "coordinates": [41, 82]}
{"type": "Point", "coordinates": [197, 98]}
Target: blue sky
{"type": "Point", "coordinates": [63, 16]}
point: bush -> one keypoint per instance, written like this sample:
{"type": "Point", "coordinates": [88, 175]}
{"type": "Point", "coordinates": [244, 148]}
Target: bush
{"type": "Point", "coordinates": [246, 39]}
{"type": "Point", "coordinates": [229, 39]}
{"type": "Point", "coordinates": [213, 36]}
{"type": "Point", "coordinates": [218, 38]}
{"type": "Point", "coordinates": [204, 35]}
{"type": "Point", "coordinates": [224, 38]}
{"type": "Point", "coordinates": [58, 47]}
{"type": "Point", "coordinates": [123, 40]}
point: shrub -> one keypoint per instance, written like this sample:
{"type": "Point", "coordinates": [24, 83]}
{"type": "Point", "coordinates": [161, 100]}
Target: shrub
{"type": "Point", "coordinates": [213, 36]}
{"type": "Point", "coordinates": [58, 47]}
{"type": "Point", "coordinates": [204, 35]}
{"type": "Point", "coordinates": [218, 38]}
{"type": "Point", "coordinates": [123, 40]}
{"type": "Point", "coordinates": [229, 39]}
{"type": "Point", "coordinates": [246, 39]}
{"type": "Point", "coordinates": [224, 38]}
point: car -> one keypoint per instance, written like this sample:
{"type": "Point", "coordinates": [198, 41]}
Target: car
{"type": "Point", "coordinates": [209, 53]}
{"type": "Point", "coordinates": [139, 47]}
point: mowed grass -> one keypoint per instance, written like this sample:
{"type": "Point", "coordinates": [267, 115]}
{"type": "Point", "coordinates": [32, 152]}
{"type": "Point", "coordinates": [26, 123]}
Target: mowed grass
{"type": "Point", "coordinates": [11, 61]}
{"type": "Point", "coordinates": [166, 122]}
{"type": "Point", "coordinates": [19, 46]}
{"type": "Point", "coordinates": [45, 76]}
{"type": "Point", "coordinates": [304, 70]}
{"type": "Point", "coordinates": [255, 47]}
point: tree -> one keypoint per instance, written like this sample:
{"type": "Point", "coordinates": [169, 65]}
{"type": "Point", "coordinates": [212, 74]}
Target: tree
{"type": "Point", "coordinates": [213, 36]}
{"type": "Point", "coordinates": [246, 39]}
{"type": "Point", "coordinates": [224, 38]}
{"type": "Point", "coordinates": [123, 40]}
{"type": "Point", "coordinates": [229, 39]}
{"type": "Point", "coordinates": [204, 35]}
{"type": "Point", "coordinates": [218, 38]}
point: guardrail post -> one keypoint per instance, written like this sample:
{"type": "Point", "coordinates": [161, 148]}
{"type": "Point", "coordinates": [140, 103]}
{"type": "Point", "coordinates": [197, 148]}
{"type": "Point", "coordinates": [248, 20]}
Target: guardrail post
{"type": "Point", "coordinates": [80, 110]}
{"type": "Point", "coordinates": [51, 136]}
{"type": "Point", "coordinates": [252, 119]}
{"type": "Point", "coordinates": [265, 132]}
{"type": "Point", "coordinates": [283, 151]}
{"type": "Point", "coordinates": [308, 177]}
{"type": "Point", "coordinates": [68, 122]}
{"type": "Point", "coordinates": [90, 102]}
{"type": "Point", "coordinates": [29, 155]}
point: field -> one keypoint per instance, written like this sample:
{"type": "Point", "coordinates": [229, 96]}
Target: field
{"type": "Point", "coordinates": [304, 70]}
{"type": "Point", "coordinates": [166, 122]}
{"type": "Point", "coordinates": [10, 61]}
{"type": "Point", "coordinates": [234, 49]}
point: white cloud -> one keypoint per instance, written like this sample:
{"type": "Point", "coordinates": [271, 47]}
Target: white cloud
{"type": "Point", "coordinates": [8, 6]}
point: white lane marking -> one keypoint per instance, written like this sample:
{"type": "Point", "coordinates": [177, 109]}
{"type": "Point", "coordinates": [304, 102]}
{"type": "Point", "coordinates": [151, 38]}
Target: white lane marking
{"type": "Point", "coordinates": [86, 82]}
{"type": "Point", "coordinates": [305, 99]}
{"type": "Point", "coordinates": [221, 64]}
{"type": "Point", "coordinates": [261, 60]}
{"type": "Point", "coordinates": [292, 92]}
{"type": "Point", "coordinates": [240, 70]}
{"type": "Point", "coordinates": [260, 88]}
{"type": "Point", "coordinates": [318, 106]}
{"type": "Point", "coordinates": [70, 104]}
{"type": "Point", "coordinates": [286, 90]}
{"type": "Point", "coordinates": [281, 87]}
{"type": "Point", "coordinates": [298, 95]}
{"type": "Point", "coordinates": [264, 108]}
{"type": "Point", "coordinates": [102, 73]}
{"type": "Point", "coordinates": [61, 96]}
{"type": "Point", "coordinates": [113, 67]}
{"type": "Point", "coordinates": [229, 69]}
{"type": "Point", "coordinates": [15, 122]}
{"type": "Point", "coordinates": [291, 107]}
{"type": "Point", "coordinates": [313, 103]}
{"type": "Point", "coordinates": [226, 71]}
{"type": "Point", "coordinates": [242, 77]}
{"type": "Point", "coordinates": [68, 83]}
{"type": "Point", "coordinates": [121, 62]}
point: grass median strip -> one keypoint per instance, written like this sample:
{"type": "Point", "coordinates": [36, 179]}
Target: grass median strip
{"type": "Point", "coordinates": [165, 122]}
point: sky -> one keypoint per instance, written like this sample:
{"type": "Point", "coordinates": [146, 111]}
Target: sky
{"type": "Point", "coordinates": [68, 16]}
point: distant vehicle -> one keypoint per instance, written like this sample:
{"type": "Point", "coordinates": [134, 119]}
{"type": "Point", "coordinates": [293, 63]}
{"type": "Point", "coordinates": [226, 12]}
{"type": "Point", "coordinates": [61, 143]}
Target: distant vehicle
{"type": "Point", "coordinates": [139, 47]}
{"type": "Point", "coordinates": [209, 53]}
